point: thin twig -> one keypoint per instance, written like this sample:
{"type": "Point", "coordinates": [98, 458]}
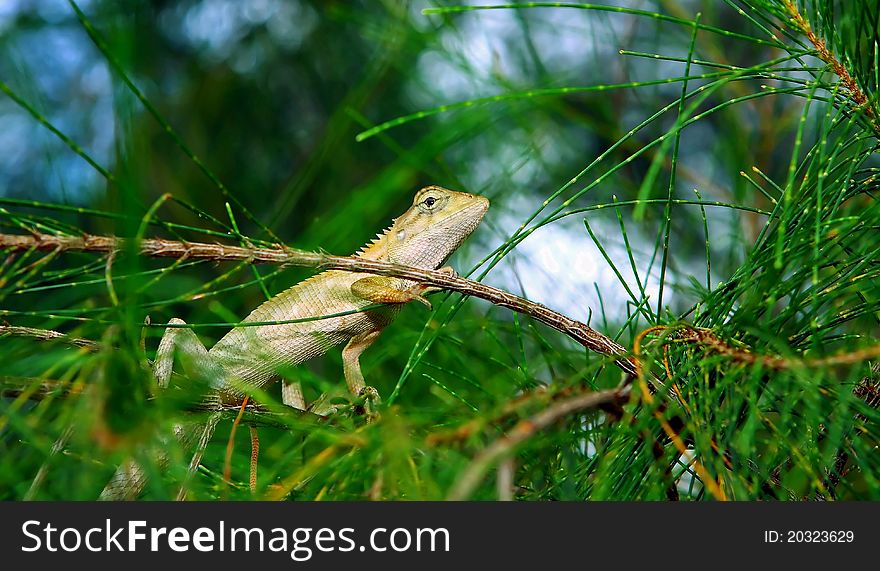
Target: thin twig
{"type": "Point", "coordinates": [48, 335]}
{"type": "Point", "coordinates": [542, 396]}
{"type": "Point", "coordinates": [866, 390]}
{"type": "Point", "coordinates": [576, 330]}
{"type": "Point", "coordinates": [707, 338]}
{"type": "Point", "coordinates": [37, 389]}
{"type": "Point", "coordinates": [375, 493]}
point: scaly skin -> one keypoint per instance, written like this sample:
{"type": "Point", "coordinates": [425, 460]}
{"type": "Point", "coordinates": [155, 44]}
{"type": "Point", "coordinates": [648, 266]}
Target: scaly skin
{"type": "Point", "coordinates": [251, 357]}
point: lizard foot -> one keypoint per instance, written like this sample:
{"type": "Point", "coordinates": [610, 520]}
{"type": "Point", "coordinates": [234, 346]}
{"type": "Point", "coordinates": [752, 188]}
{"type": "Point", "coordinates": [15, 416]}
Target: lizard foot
{"type": "Point", "coordinates": [371, 403]}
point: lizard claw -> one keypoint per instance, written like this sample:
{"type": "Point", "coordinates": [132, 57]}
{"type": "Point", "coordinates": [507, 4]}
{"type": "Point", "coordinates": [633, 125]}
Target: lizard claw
{"type": "Point", "coordinates": [422, 289]}
{"type": "Point", "coordinates": [424, 300]}
{"type": "Point", "coordinates": [370, 393]}
{"type": "Point", "coordinates": [415, 294]}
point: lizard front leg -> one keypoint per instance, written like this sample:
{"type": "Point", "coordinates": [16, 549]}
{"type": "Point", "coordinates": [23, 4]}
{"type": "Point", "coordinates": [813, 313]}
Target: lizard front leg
{"type": "Point", "coordinates": [351, 367]}
{"type": "Point", "coordinates": [382, 289]}
{"type": "Point", "coordinates": [354, 378]}
{"type": "Point", "coordinates": [377, 289]}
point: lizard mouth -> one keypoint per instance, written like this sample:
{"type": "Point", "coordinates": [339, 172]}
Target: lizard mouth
{"type": "Point", "coordinates": [465, 221]}
{"type": "Point", "coordinates": [481, 206]}
{"type": "Point", "coordinates": [468, 218]}
{"type": "Point", "coordinates": [478, 209]}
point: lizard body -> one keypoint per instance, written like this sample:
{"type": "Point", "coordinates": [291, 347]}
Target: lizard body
{"type": "Point", "coordinates": [251, 357]}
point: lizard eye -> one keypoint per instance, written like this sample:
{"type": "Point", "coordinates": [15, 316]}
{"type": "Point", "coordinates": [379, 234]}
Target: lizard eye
{"type": "Point", "coordinates": [429, 202]}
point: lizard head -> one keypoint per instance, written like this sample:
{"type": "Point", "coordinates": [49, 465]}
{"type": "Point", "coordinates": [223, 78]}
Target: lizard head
{"type": "Point", "coordinates": [436, 224]}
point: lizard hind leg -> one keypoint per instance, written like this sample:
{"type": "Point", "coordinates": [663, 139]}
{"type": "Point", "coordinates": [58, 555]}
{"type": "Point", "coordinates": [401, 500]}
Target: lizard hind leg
{"type": "Point", "coordinates": [175, 339]}
{"type": "Point", "coordinates": [197, 363]}
{"type": "Point", "coordinates": [292, 394]}
{"type": "Point", "coordinates": [130, 478]}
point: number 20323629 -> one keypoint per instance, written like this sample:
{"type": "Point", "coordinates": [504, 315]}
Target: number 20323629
{"type": "Point", "coordinates": [808, 536]}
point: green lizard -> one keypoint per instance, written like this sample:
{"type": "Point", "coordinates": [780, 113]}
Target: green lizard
{"type": "Point", "coordinates": [424, 236]}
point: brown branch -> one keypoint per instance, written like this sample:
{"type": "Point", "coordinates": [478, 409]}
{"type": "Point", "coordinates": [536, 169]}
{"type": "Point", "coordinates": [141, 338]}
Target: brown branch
{"type": "Point", "coordinates": [525, 429]}
{"type": "Point", "coordinates": [576, 330]}
{"type": "Point", "coordinates": [828, 57]}
{"type": "Point", "coordinates": [33, 388]}
{"type": "Point", "coordinates": [230, 447]}
{"type": "Point", "coordinates": [713, 486]}
{"type": "Point", "coordinates": [48, 335]}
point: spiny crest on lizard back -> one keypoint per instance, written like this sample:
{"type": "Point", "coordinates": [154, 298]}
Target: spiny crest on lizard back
{"type": "Point", "coordinates": [375, 248]}
{"type": "Point", "coordinates": [438, 221]}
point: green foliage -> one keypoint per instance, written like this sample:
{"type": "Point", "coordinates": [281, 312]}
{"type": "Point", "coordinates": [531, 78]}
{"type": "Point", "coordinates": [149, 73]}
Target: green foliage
{"type": "Point", "coordinates": [713, 166]}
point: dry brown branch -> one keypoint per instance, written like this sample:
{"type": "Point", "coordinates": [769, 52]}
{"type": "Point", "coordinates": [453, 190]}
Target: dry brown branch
{"type": "Point", "coordinates": [33, 388]}
{"type": "Point", "coordinates": [48, 335]}
{"type": "Point", "coordinates": [36, 389]}
{"type": "Point", "coordinates": [525, 429]}
{"type": "Point", "coordinates": [580, 332]}
{"type": "Point", "coordinates": [504, 479]}
{"type": "Point", "coordinates": [825, 54]}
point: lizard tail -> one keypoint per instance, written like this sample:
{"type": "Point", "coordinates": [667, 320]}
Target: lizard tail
{"type": "Point", "coordinates": [126, 484]}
